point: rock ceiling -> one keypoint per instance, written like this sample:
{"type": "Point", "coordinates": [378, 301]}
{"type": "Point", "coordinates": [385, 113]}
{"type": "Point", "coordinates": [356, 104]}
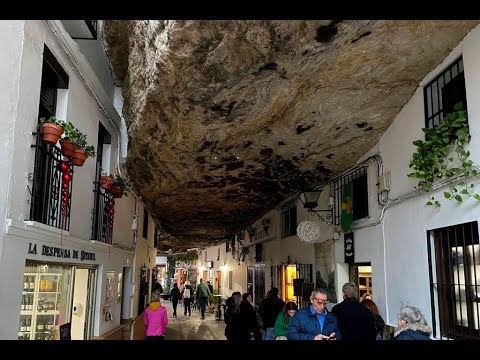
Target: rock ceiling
{"type": "Point", "coordinates": [228, 118]}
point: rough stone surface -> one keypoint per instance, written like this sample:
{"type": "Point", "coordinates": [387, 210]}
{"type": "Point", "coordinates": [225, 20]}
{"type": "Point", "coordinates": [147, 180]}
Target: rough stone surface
{"type": "Point", "coordinates": [228, 118]}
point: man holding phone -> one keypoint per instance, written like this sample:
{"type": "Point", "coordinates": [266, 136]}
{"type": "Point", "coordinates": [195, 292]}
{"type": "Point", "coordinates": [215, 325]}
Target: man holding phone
{"type": "Point", "coordinates": [314, 322]}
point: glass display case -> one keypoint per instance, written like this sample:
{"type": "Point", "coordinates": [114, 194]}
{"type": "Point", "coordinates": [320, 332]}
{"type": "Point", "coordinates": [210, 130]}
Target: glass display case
{"type": "Point", "coordinates": [45, 301]}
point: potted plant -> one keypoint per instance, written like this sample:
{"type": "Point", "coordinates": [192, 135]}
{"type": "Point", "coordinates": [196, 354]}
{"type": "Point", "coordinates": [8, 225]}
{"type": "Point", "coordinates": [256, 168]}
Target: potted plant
{"type": "Point", "coordinates": [106, 181]}
{"type": "Point", "coordinates": [120, 187]}
{"type": "Point", "coordinates": [213, 300]}
{"type": "Point", "coordinates": [52, 129]}
{"type": "Point", "coordinates": [79, 155]}
{"type": "Point", "coordinates": [69, 139]}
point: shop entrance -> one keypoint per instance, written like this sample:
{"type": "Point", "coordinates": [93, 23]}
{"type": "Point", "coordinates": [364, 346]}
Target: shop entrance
{"type": "Point", "coordinates": [54, 296]}
{"type": "Point", "coordinates": [361, 275]}
{"type": "Point", "coordinates": [83, 300]}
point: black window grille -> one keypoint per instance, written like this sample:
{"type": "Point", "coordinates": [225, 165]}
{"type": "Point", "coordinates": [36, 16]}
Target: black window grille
{"type": "Point", "coordinates": [46, 202]}
{"type": "Point", "coordinates": [156, 242]}
{"type": "Point", "coordinates": [97, 212]}
{"type": "Point", "coordinates": [259, 284]}
{"type": "Point", "coordinates": [288, 216]}
{"type": "Point", "coordinates": [443, 92]}
{"type": "Point", "coordinates": [359, 193]}
{"type": "Point", "coordinates": [145, 224]}
{"type": "Point", "coordinates": [103, 214]}
{"type": "Point", "coordinates": [454, 264]}
{"type": "Point", "coordinates": [304, 271]}
{"type": "Point", "coordinates": [93, 27]}
{"type": "Point", "coordinates": [250, 280]}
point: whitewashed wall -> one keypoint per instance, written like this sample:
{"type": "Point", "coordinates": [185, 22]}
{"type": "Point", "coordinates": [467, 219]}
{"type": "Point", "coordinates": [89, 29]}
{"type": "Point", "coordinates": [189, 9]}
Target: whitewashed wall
{"type": "Point", "coordinates": [406, 224]}
{"type": "Point", "coordinates": [20, 71]}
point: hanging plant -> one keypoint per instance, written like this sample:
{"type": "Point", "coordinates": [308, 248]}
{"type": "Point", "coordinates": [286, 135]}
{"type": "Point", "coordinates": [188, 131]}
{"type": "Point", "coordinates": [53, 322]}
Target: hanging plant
{"type": "Point", "coordinates": [443, 156]}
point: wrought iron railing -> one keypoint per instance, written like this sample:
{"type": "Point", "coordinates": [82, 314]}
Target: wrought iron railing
{"type": "Point", "coordinates": [92, 26]}
{"type": "Point", "coordinates": [103, 215]}
{"type": "Point", "coordinates": [48, 188]}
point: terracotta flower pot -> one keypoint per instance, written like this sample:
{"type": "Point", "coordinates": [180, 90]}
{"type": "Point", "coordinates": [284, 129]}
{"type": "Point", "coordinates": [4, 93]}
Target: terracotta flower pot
{"type": "Point", "coordinates": [68, 148]}
{"type": "Point", "coordinates": [116, 191]}
{"type": "Point", "coordinates": [106, 182]}
{"type": "Point", "coordinates": [79, 156]}
{"type": "Point", "coordinates": [51, 133]}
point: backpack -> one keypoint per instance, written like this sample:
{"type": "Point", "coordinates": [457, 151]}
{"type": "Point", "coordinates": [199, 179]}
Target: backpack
{"type": "Point", "coordinates": [186, 293]}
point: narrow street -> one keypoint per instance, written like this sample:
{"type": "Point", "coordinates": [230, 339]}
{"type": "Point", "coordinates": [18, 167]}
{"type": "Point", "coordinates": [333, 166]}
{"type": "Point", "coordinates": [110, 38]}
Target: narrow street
{"type": "Point", "coordinates": [192, 327]}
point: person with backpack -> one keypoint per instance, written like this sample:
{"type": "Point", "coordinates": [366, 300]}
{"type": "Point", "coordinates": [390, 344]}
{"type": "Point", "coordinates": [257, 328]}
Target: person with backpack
{"type": "Point", "coordinates": [187, 298]}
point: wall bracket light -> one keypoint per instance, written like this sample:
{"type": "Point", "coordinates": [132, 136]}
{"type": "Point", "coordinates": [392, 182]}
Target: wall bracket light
{"type": "Point", "coordinates": [310, 202]}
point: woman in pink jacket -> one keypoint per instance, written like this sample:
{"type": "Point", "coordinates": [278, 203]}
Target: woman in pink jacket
{"type": "Point", "coordinates": [156, 318]}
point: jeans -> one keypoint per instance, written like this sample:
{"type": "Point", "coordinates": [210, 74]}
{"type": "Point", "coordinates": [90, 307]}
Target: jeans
{"type": "Point", "coordinates": [186, 305]}
{"type": "Point", "coordinates": [175, 303]}
{"type": "Point", "coordinates": [202, 302]}
{"type": "Point", "coordinates": [268, 334]}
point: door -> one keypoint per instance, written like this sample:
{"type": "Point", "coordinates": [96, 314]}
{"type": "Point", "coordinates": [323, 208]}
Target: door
{"type": "Point", "coordinates": [250, 280]}
{"type": "Point", "coordinates": [217, 280]}
{"type": "Point", "coordinates": [361, 275]}
{"type": "Point", "coordinates": [259, 284]}
{"type": "Point", "coordinates": [79, 308]}
{"type": "Point", "coordinates": [92, 276]}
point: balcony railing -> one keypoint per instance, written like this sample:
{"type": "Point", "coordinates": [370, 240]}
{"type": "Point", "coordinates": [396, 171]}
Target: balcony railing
{"type": "Point", "coordinates": [103, 215]}
{"type": "Point", "coordinates": [48, 188]}
{"type": "Point", "coordinates": [92, 26]}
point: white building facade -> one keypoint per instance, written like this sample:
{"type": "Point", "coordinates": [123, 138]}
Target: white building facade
{"type": "Point", "coordinates": [404, 251]}
{"type": "Point", "coordinates": [62, 266]}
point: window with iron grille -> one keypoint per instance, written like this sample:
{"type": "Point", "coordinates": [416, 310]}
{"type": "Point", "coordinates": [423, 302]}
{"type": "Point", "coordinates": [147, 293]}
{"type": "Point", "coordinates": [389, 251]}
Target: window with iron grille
{"type": "Point", "coordinates": [155, 238]}
{"type": "Point", "coordinates": [288, 219]}
{"type": "Point", "coordinates": [443, 92]}
{"type": "Point", "coordinates": [359, 194]}
{"type": "Point", "coordinates": [145, 224]}
{"type": "Point", "coordinates": [259, 282]}
{"type": "Point", "coordinates": [454, 262]}
{"type": "Point", "coordinates": [101, 197]}
{"type": "Point", "coordinates": [47, 177]}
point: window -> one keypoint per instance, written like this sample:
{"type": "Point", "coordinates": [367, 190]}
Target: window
{"type": "Point", "coordinates": [454, 261]}
{"type": "Point", "coordinates": [359, 194]}
{"type": "Point", "coordinates": [288, 214]}
{"type": "Point", "coordinates": [102, 198]}
{"type": "Point", "coordinates": [46, 206]}
{"type": "Point", "coordinates": [155, 238]}
{"type": "Point", "coordinates": [145, 224]}
{"type": "Point", "coordinates": [230, 280]}
{"type": "Point", "coordinates": [259, 283]}
{"type": "Point", "coordinates": [443, 92]}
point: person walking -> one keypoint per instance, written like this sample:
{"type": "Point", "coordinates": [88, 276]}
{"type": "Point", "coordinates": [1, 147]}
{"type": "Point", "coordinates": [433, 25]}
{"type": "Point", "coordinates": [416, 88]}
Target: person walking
{"type": "Point", "coordinates": [355, 321]}
{"type": "Point", "coordinates": [175, 296]}
{"type": "Point", "coordinates": [314, 322]}
{"type": "Point", "coordinates": [269, 310]}
{"type": "Point", "coordinates": [411, 325]}
{"type": "Point", "coordinates": [202, 295]}
{"type": "Point", "coordinates": [283, 320]}
{"type": "Point", "coordinates": [156, 319]}
{"type": "Point", "coordinates": [187, 296]}
{"type": "Point", "coordinates": [379, 322]}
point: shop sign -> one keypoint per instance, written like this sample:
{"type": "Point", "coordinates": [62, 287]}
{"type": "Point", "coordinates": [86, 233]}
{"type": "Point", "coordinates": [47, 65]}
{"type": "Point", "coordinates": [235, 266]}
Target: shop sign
{"type": "Point", "coordinates": [349, 249]}
{"type": "Point", "coordinates": [60, 252]}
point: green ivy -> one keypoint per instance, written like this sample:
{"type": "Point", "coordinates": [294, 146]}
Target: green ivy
{"type": "Point", "coordinates": [172, 261]}
{"type": "Point", "coordinates": [433, 160]}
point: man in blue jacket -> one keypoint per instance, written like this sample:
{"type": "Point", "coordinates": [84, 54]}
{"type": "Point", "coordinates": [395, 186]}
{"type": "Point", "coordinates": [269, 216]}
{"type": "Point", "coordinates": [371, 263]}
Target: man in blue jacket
{"type": "Point", "coordinates": [314, 322]}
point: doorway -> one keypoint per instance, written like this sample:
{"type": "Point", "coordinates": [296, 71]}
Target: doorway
{"type": "Point", "coordinates": [361, 275]}
{"type": "Point", "coordinates": [217, 281]}
{"type": "Point", "coordinates": [83, 299]}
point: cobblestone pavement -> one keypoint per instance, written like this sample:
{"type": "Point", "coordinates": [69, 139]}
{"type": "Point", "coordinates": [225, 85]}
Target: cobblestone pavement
{"type": "Point", "coordinates": [192, 327]}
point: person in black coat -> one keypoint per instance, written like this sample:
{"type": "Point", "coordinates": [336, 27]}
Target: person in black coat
{"type": "Point", "coordinates": [411, 325]}
{"type": "Point", "coordinates": [174, 297]}
{"type": "Point", "coordinates": [268, 310]}
{"type": "Point", "coordinates": [354, 320]}
{"type": "Point", "coordinates": [379, 322]}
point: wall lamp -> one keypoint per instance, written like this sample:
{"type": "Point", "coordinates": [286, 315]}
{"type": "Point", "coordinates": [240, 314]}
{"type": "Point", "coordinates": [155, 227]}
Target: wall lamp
{"type": "Point", "coordinates": [309, 199]}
